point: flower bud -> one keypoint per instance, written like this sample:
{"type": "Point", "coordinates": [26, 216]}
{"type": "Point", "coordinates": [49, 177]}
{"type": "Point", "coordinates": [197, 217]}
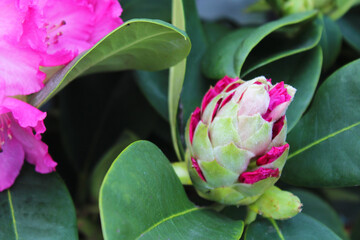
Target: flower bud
{"type": "Point", "coordinates": [236, 145]}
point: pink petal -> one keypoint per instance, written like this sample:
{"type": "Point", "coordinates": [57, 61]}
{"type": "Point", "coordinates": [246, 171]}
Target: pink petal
{"type": "Point", "coordinates": [11, 161]}
{"type": "Point", "coordinates": [272, 155]}
{"type": "Point", "coordinates": [19, 70]}
{"type": "Point", "coordinates": [194, 120]}
{"type": "Point", "coordinates": [278, 125]}
{"type": "Point", "coordinates": [258, 175]}
{"type": "Point", "coordinates": [278, 95]}
{"type": "Point", "coordinates": [36, 152]}
{"type": "Point", "coordinates": [223, 83]}
{"type": "Point", "coordinates": [211, 93]}
{"type": "Point", "coordinates": [219, 87]}
{"type": "Point", "coordinates": [107, 18]}
{"type": "Point", "coordinates": [12, 18]}
{"type": "Point", "coordinates": [227, 99]}
{"type": "Point", "coordinates": [25, 114]}
{"type": "Point", "coordinates": [69, 25]}
{"type": "Point", "coordinates": [197, 168]}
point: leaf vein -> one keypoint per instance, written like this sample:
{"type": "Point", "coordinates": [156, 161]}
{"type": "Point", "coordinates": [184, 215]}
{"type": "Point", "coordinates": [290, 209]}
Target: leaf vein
{"type": "Point", "coordinates": [168, 218]}
{"type": "Point", "coordinates": [323, 139]}
{"type": "Point", "coordinates": [13, 215]}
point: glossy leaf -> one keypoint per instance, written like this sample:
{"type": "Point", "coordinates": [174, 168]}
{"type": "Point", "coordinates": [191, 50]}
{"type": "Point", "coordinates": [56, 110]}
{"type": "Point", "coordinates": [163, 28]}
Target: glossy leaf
{"type": "Point", "coordinates": [324, 145]}
{"type": "Point", "coordinates": [105, 162]}
{"type": "Point", "coordinates": [214, 66]}
{"type": "Point", "coordinates": [137, 44]}
{"type": "Point", "coordinates": [349, 25]}
{"type": "Point", "coordinates": [142, 198]}
{"type": "Point", "coordinates": [330, 41]}
{"type": "Point", "coordinates": [320, 210]}
{"type": "Point", "coordinates": [299, 227]}
{"type": "Point", "coordinates": [302, 71]}
{"type": "Point", "coordinates": [37, 207]}
{"type": "Point", "coordinates": [176, 78]}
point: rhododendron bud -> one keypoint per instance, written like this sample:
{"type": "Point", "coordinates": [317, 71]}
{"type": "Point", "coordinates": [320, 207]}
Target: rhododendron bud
{"type": "Point", "coordinates": [236, 145]}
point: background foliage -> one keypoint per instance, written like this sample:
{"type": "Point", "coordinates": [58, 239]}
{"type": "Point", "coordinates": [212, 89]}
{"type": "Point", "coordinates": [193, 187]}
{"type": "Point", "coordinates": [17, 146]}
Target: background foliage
{"type": "Point", "coordinates": [115, 101]}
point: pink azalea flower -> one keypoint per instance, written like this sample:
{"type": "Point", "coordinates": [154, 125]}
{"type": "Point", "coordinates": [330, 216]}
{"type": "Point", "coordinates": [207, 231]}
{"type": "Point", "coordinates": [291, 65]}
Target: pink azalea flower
{"type": "Point", "coordinates": [21, 126]}
{"type": "Point", "coordinates": [19, 63]}
{"type": "Point", "coordinates": [73, 26]}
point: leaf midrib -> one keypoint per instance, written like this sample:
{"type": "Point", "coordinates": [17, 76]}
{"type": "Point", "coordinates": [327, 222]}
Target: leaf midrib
{"type": "Point", "coordinates": [104, 57]}
{"type": "Point", "coordinates": [13, 215]}
{"type": "Point", "coordinates": [322, 139]}
{"type": "Point", "coordinates": [167, 219]}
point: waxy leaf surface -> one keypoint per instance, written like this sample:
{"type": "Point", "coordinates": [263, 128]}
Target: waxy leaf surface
{"type": "Point", "coordinates": [37, 207]}
{"type": "Point", "coordinates": [223, 59]}
{"type": "Point", "coordinates": [137, 44]}
{"type": "Point", "coordinates": [324, 144]}
{"type": "Point", "coordinates": [142, 198]}
{"type": "Point", "coordinates": [299, 227]}
{"type": "Point", "coordinates": [302, 71]}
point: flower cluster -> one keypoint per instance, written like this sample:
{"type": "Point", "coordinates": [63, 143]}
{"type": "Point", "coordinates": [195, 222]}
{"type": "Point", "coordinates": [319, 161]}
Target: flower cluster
{"type": "Point", "coordinates": [236, 140]}
{"type": "Point", "coordinates": [34, 35]}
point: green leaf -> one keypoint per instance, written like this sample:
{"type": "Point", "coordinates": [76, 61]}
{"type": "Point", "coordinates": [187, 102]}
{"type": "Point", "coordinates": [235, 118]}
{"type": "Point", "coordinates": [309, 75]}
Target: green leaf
{"type": "Point", "coordinates": [277, 45]}
{"type": "Point", "coordinates": [324, 144]}
{"type": "Point", "coordinates": [349, 25]}
{"type": "Point", "coordinates": [105, 162]}
{"type": "Point", "coordinates": [330, 42]}
{"type": "Point", "coordinates": [142, 198]}
{"type": "Point", "coordinates": [37, 207]}
{"type": "Point", "coordinates": [302, 71]}
{"type": "Point", "coordinates": [320, 210]}
{"type": "Point", "coordinates": [137, 44]}
{"type": "Point", "coordinates": [295, 33]}
{"type": "Point", "coordinates": [176, 79]}
{"type": "Point", "coordinates": [299, 227]}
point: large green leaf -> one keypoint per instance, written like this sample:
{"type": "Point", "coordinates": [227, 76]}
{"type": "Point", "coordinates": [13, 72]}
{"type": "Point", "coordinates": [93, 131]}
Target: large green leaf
{"type": "Point", "coordinates": [324, 144]}
{"type": "Point", "coordinates": [320, 210]}
{"type": "Point", "coordinates": [302, 71]}
{"type": "Point", "coordinates": [37, 207]}
{"type": "Point", "coordinates": [265, 44]}
{"type": "Point", "coordinates": [330, 41]}
{"type": "Point", "coordinates": [350, 28]}
{"type": "Point", "coordinates": [142, 198]}
{"type": "Point", "coordinates": [299, 227]}
{"type": "Point", "coordinates": [137, 44]}
{"type": "Point", "coordinates": [105, 162]}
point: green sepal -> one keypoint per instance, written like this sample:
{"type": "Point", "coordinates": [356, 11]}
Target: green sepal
{"type": "Point", "coordinates": [201, 145]}
{"type": "Point", "coordinates": [223, 131]}
{"type": "Point", "coordinates": [208, 111]}
{"type": "Point", "coordinates": [233, 158]}
{"type": "Point", "coordinates": [216, 175]}
{"type": "Point", "coordinates": [259, 140]}
{"type": "Point", "coordinates": [277, 204]}
{"type": "Point", "coordinates": [182, 172]}
{"type": "Point", "coordinates": [230, 109]}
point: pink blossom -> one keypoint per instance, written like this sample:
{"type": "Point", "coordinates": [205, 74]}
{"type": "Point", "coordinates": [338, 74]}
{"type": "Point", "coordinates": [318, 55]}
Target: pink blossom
{"type": "Point", "coordinates": [258, 175]}
{"type": "Point", "coordinates": [73, 26]}
{"type": "Point", "coordinates": [19, 63]}
{"type": "Point", "coordinates": [272, 155]}
{"type": "Point", "coordinates": [21, 126]}
{"type": "Point", "coordinates": [219, 87]}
